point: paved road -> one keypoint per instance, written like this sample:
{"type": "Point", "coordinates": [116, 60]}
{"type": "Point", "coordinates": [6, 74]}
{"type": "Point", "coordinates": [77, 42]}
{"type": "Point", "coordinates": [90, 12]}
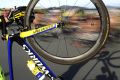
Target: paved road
{"type": "Point", "coordinates": [104, 67]}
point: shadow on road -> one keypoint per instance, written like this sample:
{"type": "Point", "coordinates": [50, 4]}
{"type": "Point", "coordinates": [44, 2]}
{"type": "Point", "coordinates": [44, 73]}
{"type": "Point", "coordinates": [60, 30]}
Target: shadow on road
{"type": "Point", "coordinates": [108, 60]}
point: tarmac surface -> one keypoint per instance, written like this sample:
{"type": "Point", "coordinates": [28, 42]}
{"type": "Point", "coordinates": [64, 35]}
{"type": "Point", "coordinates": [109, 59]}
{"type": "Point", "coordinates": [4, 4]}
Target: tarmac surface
{"type": "Point", "coordinates": [104, 66]}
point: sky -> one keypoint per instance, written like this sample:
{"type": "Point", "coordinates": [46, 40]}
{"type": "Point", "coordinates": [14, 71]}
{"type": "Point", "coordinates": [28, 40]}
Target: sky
{"type": "Point", "coordinates": [12, 3]}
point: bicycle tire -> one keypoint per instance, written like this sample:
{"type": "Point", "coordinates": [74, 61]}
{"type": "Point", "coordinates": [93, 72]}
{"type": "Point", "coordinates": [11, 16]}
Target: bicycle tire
{"type": "Point", "coordinates": [105, 23]}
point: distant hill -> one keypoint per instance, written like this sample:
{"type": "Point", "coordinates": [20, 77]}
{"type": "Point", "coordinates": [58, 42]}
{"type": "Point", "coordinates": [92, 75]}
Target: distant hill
{"type": "Point", "coordinates": [112, 7]}
{"type": "Point", "coordinates": [70, 7]}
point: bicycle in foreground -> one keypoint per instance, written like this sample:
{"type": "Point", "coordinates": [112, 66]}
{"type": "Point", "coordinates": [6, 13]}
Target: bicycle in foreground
{"type": "Point", "coordinates": [59, 31]}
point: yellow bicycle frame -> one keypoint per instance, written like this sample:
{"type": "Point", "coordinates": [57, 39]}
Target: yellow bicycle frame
{"type": "Point", "coordinates": [39, 30]}
{"type": "Point", "coordinates": [32, 32]}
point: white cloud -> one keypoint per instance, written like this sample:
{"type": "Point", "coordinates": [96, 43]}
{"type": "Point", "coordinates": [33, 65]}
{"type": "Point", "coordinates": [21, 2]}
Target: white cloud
{"type": "Point", "coordinates": [12, 3]}
{"type": "Point", "coordinates": [112, 2]}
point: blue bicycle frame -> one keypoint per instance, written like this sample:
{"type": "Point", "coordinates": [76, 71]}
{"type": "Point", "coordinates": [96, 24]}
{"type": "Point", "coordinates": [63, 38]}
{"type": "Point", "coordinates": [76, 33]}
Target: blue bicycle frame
{"type": "Point", "coordinates": [32, 54]}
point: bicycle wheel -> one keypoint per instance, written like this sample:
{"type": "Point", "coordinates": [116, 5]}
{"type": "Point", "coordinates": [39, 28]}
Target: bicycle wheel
{"type": "Point", "coordinates": [84, 29]}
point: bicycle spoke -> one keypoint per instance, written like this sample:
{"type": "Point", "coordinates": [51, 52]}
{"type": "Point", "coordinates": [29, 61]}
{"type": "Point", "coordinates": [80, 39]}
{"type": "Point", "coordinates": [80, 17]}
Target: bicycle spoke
{"type": "Point", "coordinates": [66, 46]}
{"type": "Point", "coordinates": [82, 6]}
{"type": "Point", "coordinates": [80, 33]}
